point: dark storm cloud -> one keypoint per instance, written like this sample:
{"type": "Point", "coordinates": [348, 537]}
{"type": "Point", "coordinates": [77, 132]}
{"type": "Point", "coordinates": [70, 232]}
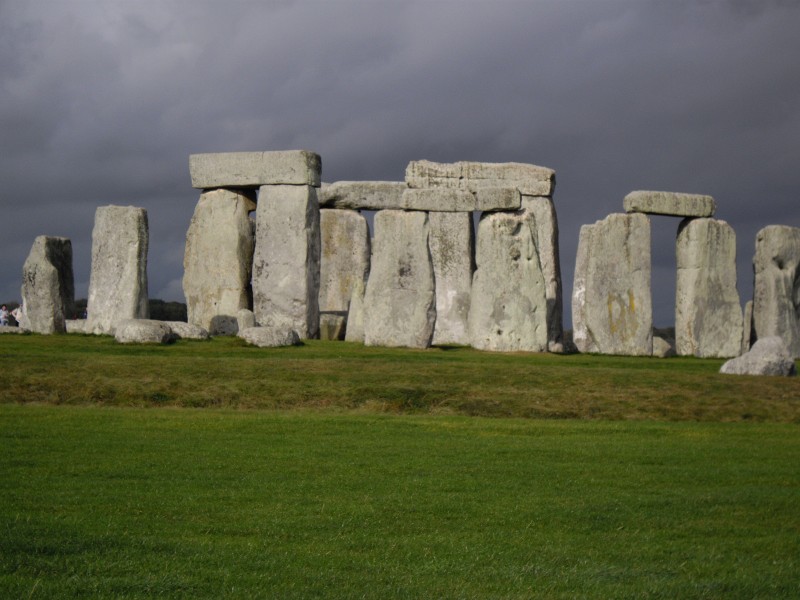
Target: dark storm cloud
{"type": "Point", "coordinates": [102, 102]}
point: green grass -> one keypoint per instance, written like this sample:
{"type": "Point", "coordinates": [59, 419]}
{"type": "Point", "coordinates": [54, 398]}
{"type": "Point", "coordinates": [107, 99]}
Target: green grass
{"type": "Point", "coordinates": [225, 373]}
{"type": "Point", "coordinates": [135, 503]}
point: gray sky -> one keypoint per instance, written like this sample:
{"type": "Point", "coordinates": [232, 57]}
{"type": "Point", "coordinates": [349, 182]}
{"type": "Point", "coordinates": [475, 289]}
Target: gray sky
{"type": "Point", "coordinates": [101, 102]}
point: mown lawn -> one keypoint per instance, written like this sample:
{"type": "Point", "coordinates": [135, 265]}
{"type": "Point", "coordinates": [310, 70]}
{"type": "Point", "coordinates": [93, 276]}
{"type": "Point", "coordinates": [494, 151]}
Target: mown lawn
{"type": "Point", "coordinates": [159, 502]}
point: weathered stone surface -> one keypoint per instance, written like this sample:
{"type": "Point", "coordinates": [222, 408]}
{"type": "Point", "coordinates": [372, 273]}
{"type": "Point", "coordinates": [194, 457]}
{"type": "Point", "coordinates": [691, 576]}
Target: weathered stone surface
{"type": "Point", "coordinates": [662, 348]}
{"type": "Point", "coordinates": [142, 331]}
{"type": "Point", "coordinates": [218, 258]}
{"type": "Point", "coordinates": [776, 293]}
{"type": "Point", "coordinates": [76, 326]}
{"type": "Point", "coordinates": [362, 195]}
{"type": "Point", "coordinates": [399, 304]}
{"type": "Point", "coordinates": [354, 331]}
{"type": "Point", "coordinates": [669, 203]}
{"type": "Point", "coordinates": [332, 325]}
{"type": "Point", "coordinates": [508, 309]}
{"type": "Point", "coordinates": [708, 313]}
{"type": "Point", "coordinates": [497, 198]}
{"type": "Point", "coordinates": [254, 169]}
{"type": "Point", "coordinates": [12, 329]}
{"type": "Point", "coordinates": [611, 300]}
{"type": "Point", "coordinates": [768, 356]}
{"type": "Point", "coordinates": [452, 245]}
{"type": "Point", "coordinates": [287, 259]}
{"type": "Point", "coordinates": [344, 257]}
{"type": "Point", "coordinates": [48, 289]}
{"type": "Point", "coordinates": [528, 179]}
{"type": "Point", "coordinates": [544, 213]}
{"type": "Point", "coordinates": [270, 337]}
{"type": "Point", "coordinates": [245, 319]}
{"type": "Point", "coordinates": [118, 280]}
{"type": "Point", "coordinates": [747, 327]}
{"type": "Point", "coordinates": [443, 199]}
{"type": "Point", "coordinates": [187, 331]}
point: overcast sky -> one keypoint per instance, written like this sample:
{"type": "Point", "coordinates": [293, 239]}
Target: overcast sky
{"type": "Point", "coordinates": [101, 102]}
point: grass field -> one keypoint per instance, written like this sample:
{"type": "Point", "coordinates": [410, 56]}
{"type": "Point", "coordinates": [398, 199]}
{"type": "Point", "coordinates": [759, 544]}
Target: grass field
{"type": "Point", "coordinates": [338, 471]}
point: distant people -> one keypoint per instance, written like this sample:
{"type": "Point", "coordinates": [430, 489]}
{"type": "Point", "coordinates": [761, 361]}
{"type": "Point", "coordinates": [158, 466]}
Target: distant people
{"type": "Point", "coordinates": [3, 315]}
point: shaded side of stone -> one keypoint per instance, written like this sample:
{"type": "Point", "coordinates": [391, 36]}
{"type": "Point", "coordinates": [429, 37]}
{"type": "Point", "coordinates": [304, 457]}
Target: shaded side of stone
{"type": "Point", "coordinates": [344, 257]}
{"type": "Point", "coordinates": [708, 312]}
{"type": "Point", "coordinates": [118, 280]}
{"type": "Point", "coordinates": [143, 331]}
{"type": "Point", "coordinates": [48, 288]}
{"type": "Point", "coordinates": [286, 263]}
{"type": "Point", "coordinates": [218, 258]}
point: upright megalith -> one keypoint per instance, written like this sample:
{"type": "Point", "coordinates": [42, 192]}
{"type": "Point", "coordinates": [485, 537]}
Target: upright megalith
{"type": "Point", "coordinates": [452, 244]}
{"type": "Point", "coordinates": [400, 303]}
{"type": "Point", "coordinates": [118, 279]}
{"type": "Point", "coordinates": [611, 300]}
{"type": "Point", "coordinates": [508, 308]}
{"type": "Point", "coordinates": [776, 289]}
{"type": "Point", "coordinates": [218, 258]}
{"type": "Point", "coordinates": [344, 257]}
{"type": "Point", "coordinates": [708, 313]}
{"type": "Point", "coordinates": [286, 262]}
{"type": "Point", "coordinates": [48, 288]}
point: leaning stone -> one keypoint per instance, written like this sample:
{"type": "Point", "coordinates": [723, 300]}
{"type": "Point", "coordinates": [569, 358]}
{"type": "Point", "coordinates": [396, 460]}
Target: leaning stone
{"type": "Point", "coordinates": [344, 257]}
{"type": "Point", "coordinates": [452, 245]}
{"type": "Point", "coordinates": [245, 319]}
{"type": "Point", "coordinates": [747, 328]}
{"type": "Point", "coordinates": [508, 309]}
{"type": "Point", "coordinates": [286, 260]}
{"type": "Point", "coordinates": [187, 331]}
{"type": "Point", "coordinates": [611, 299]}
{"type": "Point", "coordinates": [254, 169]}
{"type": "Point", "coordinates": [399, 305]}
{"type": "Point", "coordinates": [118, 280]}
{"type": "Point", "coordinates": [708, 312]}
{"type": "Point", "coordinates": [332, 325]}
{"type": "Point", "coordinates": [48, 289]}
{"type": "Point", "coordinates": [776, 290]}
{"type": "Point", "coordinates": [354, 331]}
{"type": "Point", "coordinates": [768, 356]}
{"type": "Point", "coordinates": [76, 326]}
{"type": "Point", "coordinates": [669, 203]}
{"type": "Point", "coordinates": [362, 195]}
{"type": "Point", "coordinates": [142, 331]}
{"type": "Point", "coordinates": [528, 179]}
{"type": "Point", "coordinates": [270, 337]}
{"type": "Point", "coordinates": [218, 258]}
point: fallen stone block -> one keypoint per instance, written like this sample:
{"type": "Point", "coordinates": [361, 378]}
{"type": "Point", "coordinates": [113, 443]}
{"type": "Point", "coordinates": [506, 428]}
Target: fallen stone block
{"type": "Point", "coordinates": [76, 326]}
{"type": "Point", "coordinates": [187, 331]}
{"type": "Point", "coordinates": [270, 337]}
{"type": "Point", "coordinates": [143, 331]}
{"type": "Point", "coordinates": [48, 289]}
{"type": "Point", "coordinates": [528, 179]}
{"type": "Point", "coordinates": [245, 319]}
{"type": "Point", "coordinates": [362, 195]}
{"type": "Point", "coordinates": [254, 169]}
{"type": "Point", "coordinates": [669, 203]}
{"type": "Point", "coordinates": [768, 356]}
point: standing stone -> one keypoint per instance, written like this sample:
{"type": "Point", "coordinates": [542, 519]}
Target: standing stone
{"type": "Point", "coordinates": [776, 293]}
{"type": "Point", "coordinates": [286, 259]}
{"type": "Point", "coordinates": [708, 313]}
{"type": "Point", "coordinates": [528, 179]}
{"type": "Point", "coordinates": [218, 259]}
{"type": "Point", "coordinates": [508, 309]}
{"type": "Point", "coordinates": [452, 245]}
{"type": "Point", "coordinates": [344, 257]}
{"type": "Point", "coordinates": [118, 280]}
{"type": "Point", "coordinates": [400, 302]}
{"type": "Point", "coordinates": [48, 288]}
{"type": "Point", "coordinates": [354, 332]}
{"type": "Point", "coordinates": [747, 328]}
{"type": "Point", "coordinates": [544, 213]}
{"type": "Point", "coordinates": [611, 301]}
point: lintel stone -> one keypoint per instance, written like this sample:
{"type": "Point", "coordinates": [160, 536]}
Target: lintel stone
{"type": "Point", "coordinates": [254, 169]}
{"type": "Point", "coordinates": [529, 179]}
{"type": "Point", "coordinates": [362, 195]}
{"type": "Point", "coordinates": [671, 204]}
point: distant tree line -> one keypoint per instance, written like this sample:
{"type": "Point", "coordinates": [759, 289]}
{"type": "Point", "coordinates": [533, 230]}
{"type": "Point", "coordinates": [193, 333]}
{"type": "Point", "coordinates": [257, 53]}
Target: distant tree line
{"type": "Point", "coordinates": [159, 310]}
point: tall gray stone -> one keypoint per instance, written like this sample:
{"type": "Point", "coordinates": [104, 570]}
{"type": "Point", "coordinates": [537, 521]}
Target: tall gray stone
{"type": "Point", "coordinates": [452, 244]}
{"type": "Point", "coordinates": [118, 280]}
{"type": "Point", "coordinates": [399, 303]}
{"type": "Point", "coordinates": [776, 290]}
{"type": "Point", "coordinates": [48, 288]}
{"type": "Point", "coordinates": [672, 204]}
{"type": "Point", "coordinates": [218, 259]}
{"type": "Point", "coordinates": [287, 258]}
{"type": "Point", "coordinates": [344, 257]}
{"type": "Point", "coordinates": [611, 301]}
{"type": "Point", "coordinates": [508, 309]}
{"type": "Point", "coordinates": [708, 313]}
{"type": "Point", "coordinates": [254, 169]}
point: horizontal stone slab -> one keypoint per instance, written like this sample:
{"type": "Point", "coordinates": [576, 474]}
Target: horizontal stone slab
{"type": "Point", "coordinates": [362, 195]}
{"type": "Point", "coordinates": [455, 200]}
{"type": "Point", "coordinates": [671, 204]}
{"type": "Point", "coordinates": [529, 179]}
{"type": "Point", "coordinates": [254, 169]}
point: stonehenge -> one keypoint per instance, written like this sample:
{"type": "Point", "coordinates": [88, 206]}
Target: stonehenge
{"type": "Point", "coordinates": [462, 253]}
